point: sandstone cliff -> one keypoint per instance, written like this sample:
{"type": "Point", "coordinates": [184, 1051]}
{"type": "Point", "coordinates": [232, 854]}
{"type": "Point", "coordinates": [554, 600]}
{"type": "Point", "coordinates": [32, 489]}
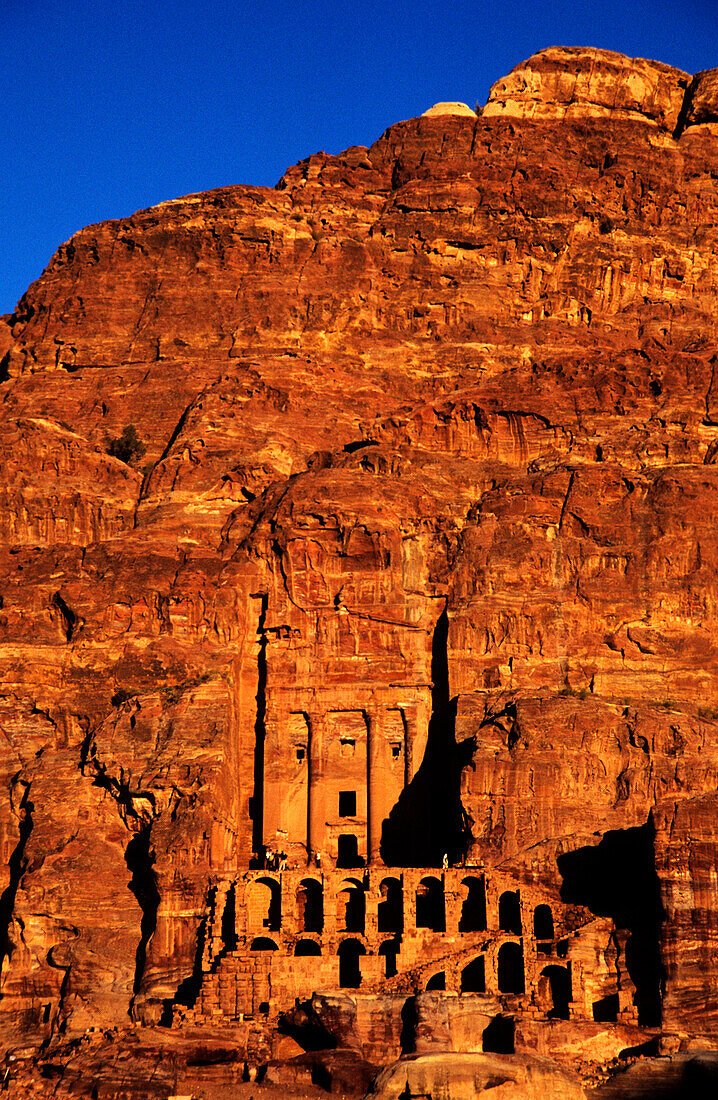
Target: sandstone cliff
{"type": "Point", "coordinates": [417, 576]}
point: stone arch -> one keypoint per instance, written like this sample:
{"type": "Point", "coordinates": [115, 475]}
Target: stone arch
{"type": "Point", "coordinates": [511, 968]}
{"type": "Point", "coordinates": [554, 991]}
{"type": "Point", "coordinates": [543, 922]}
{"type": "Point", "coordinates": [430, 904]}
{"type": "Point", "coordinates": [390, 914]}
{"type": "Point", "coordinates": [473, 910]}
{"type": "Point", "coordinates": [351, 909]}
{"type": "Point", "coordinates": [310, 905]}
{"type": "Point", "coordinates": [264, 904]}
{"type": "Point", "coordinates": [473, 976]}
{"type": "Point", "coordinates": [510, 912]}
{"type": "Point", "coordinates": [307, 947]}
{"type": "Point", "coordinates": [263, 943]}
{"type": "Point", "coordinates": [436, 981]}
{"type": "Point", "coordinates": [349, 952]}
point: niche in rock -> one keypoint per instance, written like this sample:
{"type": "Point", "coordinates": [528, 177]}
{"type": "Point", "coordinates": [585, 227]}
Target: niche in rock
{"type": "Point", "coordinates": [429, 822]}
{"type": "Point", "coordinates": [498, 1036]}
{"type": "Point", "coordinates": [511, 968]}
{"type": "Point", "coordinates": [310, 905]}
{"type": "Point", "coordinates": [473, 977]}
{"type": "Point", "coordinates": [350, 951]}
{"type": "Point", "coordinates": [510, 912]}
{"type": "Point", "coordinates": [390, 915]}
{"type": "Point", "coordinates": [617, 879]}
{"type": "Point", "coordinates": [554, 991]}
{"type": "Point", "coordinates": [473, 910]}
{"type": "Point", "coordinates": [430, 905]}
{"type": "Point", "coordinates": [348, 851]}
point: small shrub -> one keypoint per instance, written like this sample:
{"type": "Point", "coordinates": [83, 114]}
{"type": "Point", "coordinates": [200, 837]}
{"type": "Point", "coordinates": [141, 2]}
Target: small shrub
{"type": "Point", "coordinates": [128, 447]}
{"type": "Point", "coordinates": [121, 696]}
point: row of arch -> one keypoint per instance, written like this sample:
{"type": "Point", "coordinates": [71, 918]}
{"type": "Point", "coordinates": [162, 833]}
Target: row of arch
{"type": "Point", "coordinates": [264, 904]}
{"type": "Point", "coordinates": [554, 987]}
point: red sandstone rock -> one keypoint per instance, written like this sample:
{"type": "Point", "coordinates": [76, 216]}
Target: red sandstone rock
{"type": "Point", "coordinates": [419, 568]}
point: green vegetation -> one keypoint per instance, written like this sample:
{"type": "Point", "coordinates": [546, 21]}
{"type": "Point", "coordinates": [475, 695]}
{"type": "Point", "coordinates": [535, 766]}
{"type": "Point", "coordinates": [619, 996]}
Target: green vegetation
{"type": "Point", "coordinates": [128, 446]}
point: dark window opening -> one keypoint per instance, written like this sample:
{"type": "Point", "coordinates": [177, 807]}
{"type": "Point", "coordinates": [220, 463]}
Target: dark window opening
{"type": "Point", "coordinates": [349, 970]}
{"type": "Point", "coordinates": [605, 1011]}
{"type": "Point", "coordinates": [390, 914]}
{"type": "Point", "coordinates": [271, 900]}
{"type": "Point", "coordinates": [389, 949]}
{"type": "Point", "coordinates": [511, 968]}
{"type": "Point", "coordinates": [310, 906]}
{"type": "Point", "coordinates": [473, 977]}
{"type": "Point", "coordinates": [510, 913]}
{"type": "Point", "coordinates": [261, 943]}
{"type": "Point", "coordinates": [543, 922]}
{"type": "Point", "coordinates": [348, 744]}
{"type": "Point", "coordinates": [395, 752]}
{"type": "Point", "coordinates": [473, 911]}
{"type": "Point", "coordinates": [562, 949]}
{"type": "Point", "coordinates": [436, 981]}
{"type": "Point", "coordinates": [555, 988]}
{"type": "Point", "coordinates": [430, 908]}
{"type": "Point", "coordinates": [348, 851]}
{"type": "Point", "coordinates": [347, 803]}
{"type": "Point", "coordinates": [354, 909]}
{"type": "Point", "coordinates": [307, 947]}
{"type": "Point", "coordinates": [301, 752]}
{"type": "Point", "coordinates": [498, 1037]}
{"type": "Point", "coordinates": [544, 949]}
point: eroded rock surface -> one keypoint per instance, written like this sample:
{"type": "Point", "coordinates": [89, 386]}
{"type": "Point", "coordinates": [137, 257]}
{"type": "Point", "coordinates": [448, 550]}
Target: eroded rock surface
{"type": "Point", "coordinates": [371, 712]}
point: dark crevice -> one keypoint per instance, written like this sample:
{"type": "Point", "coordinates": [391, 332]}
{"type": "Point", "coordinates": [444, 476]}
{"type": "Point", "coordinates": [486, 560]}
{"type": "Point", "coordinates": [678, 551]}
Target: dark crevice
{"type": "Point", "coordinates": [429, 821]}
{"type": "Point", "coordinates": [409, 1018]}
{"type": "Point", "coordinates": [140, 858]}
{"type": "Point", "coordinates": [358, 445]}
{"type": "Point", "coordinates": [68, 617]}
{"type": "Point", "coordinates": [617, 879]}
{"type": "Point", "coordinates": [685, 108]}
{"type": "Point", "coordinates": [308, 1028]}
{"type": "Point", "coordinates": [260, 733]}
{"type": "Point", "coordinates": [17, 865]}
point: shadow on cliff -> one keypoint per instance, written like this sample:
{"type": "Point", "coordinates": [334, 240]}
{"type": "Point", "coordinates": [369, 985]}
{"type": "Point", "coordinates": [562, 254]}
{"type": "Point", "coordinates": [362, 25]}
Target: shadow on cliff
{"type": "Point", "coordinates": [429, 820]}
{"type": "Point", "coordinates": [140, 859]}
{"type": "Point", "coordinates": [16, 867]}
{"type": "Point", "coordinates": [617, 879]}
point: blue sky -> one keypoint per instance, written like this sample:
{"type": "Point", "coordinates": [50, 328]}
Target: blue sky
{"type": "Point", "coordinates": [110, 107]}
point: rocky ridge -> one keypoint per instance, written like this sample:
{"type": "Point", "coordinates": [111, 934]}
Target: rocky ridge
{"type": "Point", "coordinates": [430, 430]}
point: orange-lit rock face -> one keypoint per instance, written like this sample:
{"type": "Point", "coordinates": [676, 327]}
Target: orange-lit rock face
{"type": "Point", "coordinates": [391, 663]}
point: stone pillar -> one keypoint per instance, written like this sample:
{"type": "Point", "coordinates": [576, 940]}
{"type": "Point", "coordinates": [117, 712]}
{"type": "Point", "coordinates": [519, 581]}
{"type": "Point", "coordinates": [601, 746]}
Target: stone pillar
{"type": "Point", "coordinates": [375, 801]}
{"type": "Point", "coordinates": [372, 900]}
{"type": "Point", "coordinates": [316, 806]}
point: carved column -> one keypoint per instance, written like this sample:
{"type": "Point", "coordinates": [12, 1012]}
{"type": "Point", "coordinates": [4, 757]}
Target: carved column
{"type": "Point", "coordinates": [316, 808]}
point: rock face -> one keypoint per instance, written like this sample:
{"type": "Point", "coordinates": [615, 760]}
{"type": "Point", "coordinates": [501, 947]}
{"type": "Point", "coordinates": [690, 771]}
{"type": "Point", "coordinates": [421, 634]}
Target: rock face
{"type": "Point", "coordinates": [371, 713]}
